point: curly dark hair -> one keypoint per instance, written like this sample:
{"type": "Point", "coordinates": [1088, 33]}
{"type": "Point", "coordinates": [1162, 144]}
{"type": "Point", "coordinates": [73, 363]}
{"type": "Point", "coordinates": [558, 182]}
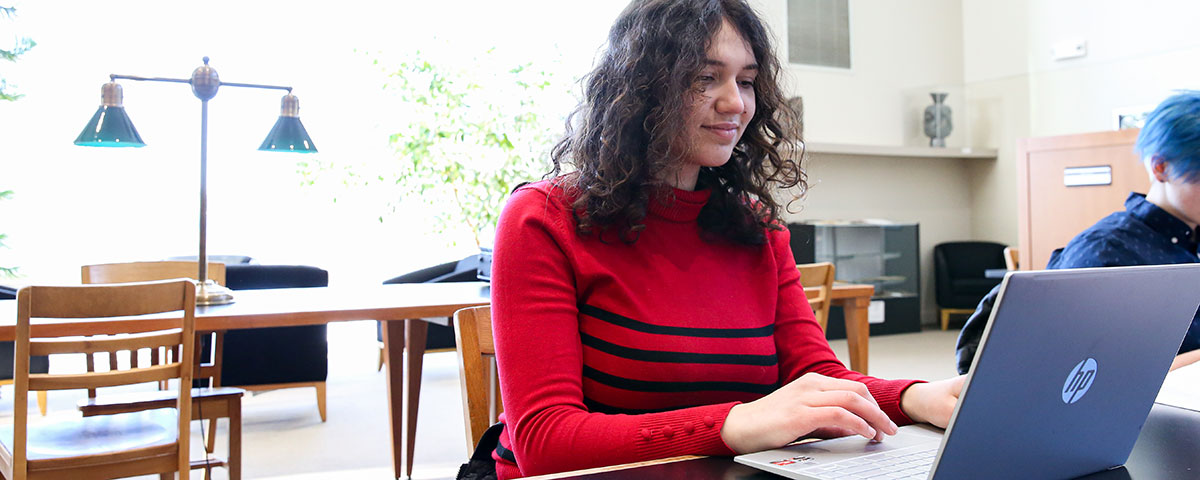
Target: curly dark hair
{"type": "Point", "coordinates": [621, 138]}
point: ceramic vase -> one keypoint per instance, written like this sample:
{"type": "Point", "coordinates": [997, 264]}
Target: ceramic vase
{"type": "Point", "coordinates": [937, 120]}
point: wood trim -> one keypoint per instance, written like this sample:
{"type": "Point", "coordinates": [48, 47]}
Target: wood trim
{"type": "Point", "coordinates": [433, 302]}
{"type": "Point", "coordinates": [1082, 140]}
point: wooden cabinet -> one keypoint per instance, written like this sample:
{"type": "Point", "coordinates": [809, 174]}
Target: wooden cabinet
{"type": "Point", "coordinates": [1051, 210]}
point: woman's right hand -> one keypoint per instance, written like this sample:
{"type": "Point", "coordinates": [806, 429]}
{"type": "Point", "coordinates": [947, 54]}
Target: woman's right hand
{"type": "Point", "coordinates": [811, 404]}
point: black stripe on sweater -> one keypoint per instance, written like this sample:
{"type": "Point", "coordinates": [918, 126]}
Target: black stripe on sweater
{"type": "Point", "coordinates": [600, 314]}
{"type": "Point", "coordinates": [505, 453]}
{"type": "Point", "coordinates": [661, 356]}
{"type": "Point", "coordinates": [674, 387]}
{"type": "Point", "coordinates": [597, 407]}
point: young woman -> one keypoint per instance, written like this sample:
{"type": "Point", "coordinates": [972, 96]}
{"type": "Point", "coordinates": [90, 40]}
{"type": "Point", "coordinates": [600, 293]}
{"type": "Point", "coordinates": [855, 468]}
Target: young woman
{"type": "Point", "coordinates": [647, 303]}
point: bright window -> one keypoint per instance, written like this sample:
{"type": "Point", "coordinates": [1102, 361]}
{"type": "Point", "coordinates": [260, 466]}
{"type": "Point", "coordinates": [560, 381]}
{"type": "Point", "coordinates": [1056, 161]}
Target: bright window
{"type": "Point", "coordinates": [76, 205]}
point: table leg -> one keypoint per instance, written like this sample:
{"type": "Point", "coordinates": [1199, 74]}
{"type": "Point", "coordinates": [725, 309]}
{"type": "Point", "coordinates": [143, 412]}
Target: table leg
{"type": "Point", "coordinates": [393, 348]}
{"type": "Point", "coordinates": [235, 439]}
{"type": "Point", "coordinates": [857, 331]}
{"type": "Point", "coordinates": [416, 331]}
{"type": "Point", "coordinates": [404, 346]}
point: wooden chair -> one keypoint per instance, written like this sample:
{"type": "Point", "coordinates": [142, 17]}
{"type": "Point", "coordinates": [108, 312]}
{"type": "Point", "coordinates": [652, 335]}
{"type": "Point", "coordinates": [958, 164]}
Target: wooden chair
{"type": "Point", "coordinates": [149, 271]}
{"type": "Point", "coordinates": [1011, 258]}
{"type": "Point", "coordinates": [211, 403]}
{"type": "Point", "coordinates": [477, 371]}
{"type": "Point", "coordinates": [164, 270]}
{"type": "Point", "coordinates": [122, 445]}
{"type": "Point", "coordinates": [818, 277]}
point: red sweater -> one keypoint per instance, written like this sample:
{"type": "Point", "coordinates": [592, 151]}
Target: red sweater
{"type": "Point", "coordinates": [613, 353]}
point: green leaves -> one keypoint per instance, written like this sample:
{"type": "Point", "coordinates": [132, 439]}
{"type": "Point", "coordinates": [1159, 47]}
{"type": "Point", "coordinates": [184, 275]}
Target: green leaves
{"type": "Point", "coordinates": [463, 130]}
{"type": "Point", "coordinates": [21, 45]}
{"type": "Point", "coordinates": [470, 137]}
{"type": "Point", "coordinates": [6, 271]}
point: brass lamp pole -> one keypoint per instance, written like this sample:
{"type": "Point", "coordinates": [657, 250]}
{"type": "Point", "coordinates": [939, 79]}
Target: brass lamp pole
{"type": "Point", "coordinates": [110, 127]}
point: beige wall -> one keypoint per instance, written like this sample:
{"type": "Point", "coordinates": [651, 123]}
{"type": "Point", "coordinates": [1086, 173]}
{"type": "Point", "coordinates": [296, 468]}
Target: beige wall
{"type": "Point", "coordinates": [901, 51]}
{"type": "Point", "coordinates": [1137, 53]}
{"type": "Point", "coordinates": [897, 189]}
{"type": "Point", "coordinates": [996, 80]}
{"type": "Point", "coordinates": [995, 60]}
{"type": "Point", "coordinates": [998, 114]}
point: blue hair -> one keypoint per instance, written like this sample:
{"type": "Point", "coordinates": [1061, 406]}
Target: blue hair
{"type": "Point", "coordinates": [1172, 132]}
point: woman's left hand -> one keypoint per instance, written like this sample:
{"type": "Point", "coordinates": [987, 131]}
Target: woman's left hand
{"type": "Point", "coordinates": [932, 402]}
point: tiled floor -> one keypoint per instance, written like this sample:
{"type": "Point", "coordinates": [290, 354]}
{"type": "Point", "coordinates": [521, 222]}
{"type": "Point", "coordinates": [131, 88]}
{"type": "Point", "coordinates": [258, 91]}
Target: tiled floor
{"type": "Point", "coordinates": [284, 438]}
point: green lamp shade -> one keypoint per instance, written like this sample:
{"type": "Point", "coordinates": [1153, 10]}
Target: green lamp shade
{"type": "Point", "coordinates": [288, 135]}
{"type": "Point", "coordinates": [110, 127]}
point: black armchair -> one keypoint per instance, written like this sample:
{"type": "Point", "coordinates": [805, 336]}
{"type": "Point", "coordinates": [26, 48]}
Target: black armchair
{"type": "Point", "coordinates": [960, 281]}
{"type": "Point", "coordinates": [465, 270]}
{"type": "Point", "coordinates": [278, 357]}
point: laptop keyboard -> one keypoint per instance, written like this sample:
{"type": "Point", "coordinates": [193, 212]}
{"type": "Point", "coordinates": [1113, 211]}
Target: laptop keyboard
{"type": "Point", "coordinates": [903, 463]}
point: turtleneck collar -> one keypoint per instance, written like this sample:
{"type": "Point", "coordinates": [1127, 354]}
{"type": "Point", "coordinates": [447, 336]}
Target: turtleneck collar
{"type": "Point", "coordinates": [677, 205]}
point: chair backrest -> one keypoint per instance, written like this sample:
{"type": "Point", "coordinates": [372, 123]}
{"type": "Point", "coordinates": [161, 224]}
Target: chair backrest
{"type": "Point", "coordinates": [963, 260]}
{"type": "Point", "coordinates": [476, 366]}
{"type": "Point", "coordinates": [99, 302]}
{"type": "Point", "coordinates": [817, 279]}
{"type": "Point", "coordinates": [1011, 258]}
{"type": "Point", "coordinates": [150, 271]}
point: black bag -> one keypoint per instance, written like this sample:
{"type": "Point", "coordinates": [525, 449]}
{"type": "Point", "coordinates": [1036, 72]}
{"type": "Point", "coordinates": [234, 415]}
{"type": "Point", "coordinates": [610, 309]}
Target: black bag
{"type": "Point", "coordinates": [481, 466]}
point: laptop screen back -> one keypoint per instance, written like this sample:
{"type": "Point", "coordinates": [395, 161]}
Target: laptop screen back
{"type": "Point", "coordinates": [1067, 371]}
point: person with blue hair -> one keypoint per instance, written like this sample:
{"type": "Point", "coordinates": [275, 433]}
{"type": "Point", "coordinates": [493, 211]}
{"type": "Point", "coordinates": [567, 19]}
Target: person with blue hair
{"type": "Point", "coordinates": [1157, 228]}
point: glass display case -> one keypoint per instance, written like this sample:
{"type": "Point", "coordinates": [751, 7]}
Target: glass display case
{"type": "Point", "coordinates": [881, 254]}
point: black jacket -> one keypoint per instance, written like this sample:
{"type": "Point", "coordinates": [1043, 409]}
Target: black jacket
{"type": "Point", "coordinates": [968, 339]}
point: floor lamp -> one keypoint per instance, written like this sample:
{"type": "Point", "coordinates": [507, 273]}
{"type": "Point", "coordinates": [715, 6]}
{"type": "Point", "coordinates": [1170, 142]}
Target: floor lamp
{"type": "Point", "coordinates": [111, 127]}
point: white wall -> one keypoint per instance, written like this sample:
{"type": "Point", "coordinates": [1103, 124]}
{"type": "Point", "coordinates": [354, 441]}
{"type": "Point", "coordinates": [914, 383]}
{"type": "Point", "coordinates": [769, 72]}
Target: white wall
{"type": "Point", "coordinates": [1137, 53]}
{"type": "Point", "coordinates": [901, 51]}
{"type": "Point", "coordinates": [996, 81]}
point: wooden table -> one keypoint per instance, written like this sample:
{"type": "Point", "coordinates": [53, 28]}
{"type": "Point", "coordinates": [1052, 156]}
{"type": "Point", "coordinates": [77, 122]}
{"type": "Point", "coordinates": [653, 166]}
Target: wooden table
{"type": "Point", "coordinates": [854, 300]}
{"type": "Point", "coordinates": [1166, 448]}
{"type": "Point", "coordinates": [400, 306]}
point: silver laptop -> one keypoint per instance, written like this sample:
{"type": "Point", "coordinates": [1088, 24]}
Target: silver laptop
{"type": "Point", "coordinates": [1065, 375]}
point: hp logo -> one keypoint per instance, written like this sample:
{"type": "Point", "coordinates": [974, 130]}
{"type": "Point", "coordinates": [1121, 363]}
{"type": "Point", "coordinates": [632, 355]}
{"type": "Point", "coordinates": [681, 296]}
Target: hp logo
{"type": "Point", "coordinates": [1079, 381]}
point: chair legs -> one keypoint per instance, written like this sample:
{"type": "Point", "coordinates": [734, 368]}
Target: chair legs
{"type": "Point", "coordinates": [321, 399]}
{"type": "Point", "coordinates": [320, 386]}
{"type": "Point", "coordinates": [947, 312]}
{"type": "Point", "coordinates": [41, 399]}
